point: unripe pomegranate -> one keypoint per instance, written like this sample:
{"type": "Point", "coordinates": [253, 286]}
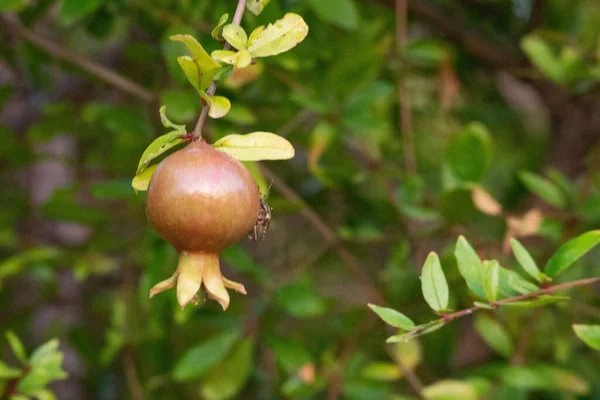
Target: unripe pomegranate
{"type": "Point", "coordinates": [201, 201]}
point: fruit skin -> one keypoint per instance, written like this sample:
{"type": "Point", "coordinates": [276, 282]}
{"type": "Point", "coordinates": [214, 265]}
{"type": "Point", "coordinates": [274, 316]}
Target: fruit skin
{"type": "Point", "coordinates": [202, 200]}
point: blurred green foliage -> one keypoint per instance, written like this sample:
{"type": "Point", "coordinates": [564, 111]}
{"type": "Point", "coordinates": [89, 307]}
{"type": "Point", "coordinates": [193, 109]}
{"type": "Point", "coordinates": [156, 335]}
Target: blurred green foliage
{"type": "Point", "coordinates": [78, 257]}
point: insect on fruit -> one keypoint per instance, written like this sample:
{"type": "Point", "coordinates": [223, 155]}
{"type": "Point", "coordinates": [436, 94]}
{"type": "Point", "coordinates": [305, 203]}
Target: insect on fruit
{"type": "Point", "coordinates": [263, 221]}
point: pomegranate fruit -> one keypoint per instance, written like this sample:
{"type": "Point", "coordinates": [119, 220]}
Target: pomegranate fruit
{"type": "Point", "coordinates": [201, 201]}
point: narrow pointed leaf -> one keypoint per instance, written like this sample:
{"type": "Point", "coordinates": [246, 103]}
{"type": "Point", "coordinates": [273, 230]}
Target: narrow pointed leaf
{"type": "Point", "coordinates": [417, 331]}
{"type": "Point", "coordinates": [544, 189]}
{"type": "Point", "coordinates": [434, 284]}
{"type": "Point", "coordinates": [526, 261]}
{"type": "Point", "coordinates": [279, 37]}
{"type": "Point", "coordinates": [16, 346]}
{"type": "Point", "coordinates": [539, 302]}
{"type": "Point", "coordinates": [236, 36]}
{"type": "Point", "coordinates": [393, 317]}
{"type": "Point", "coordinates": [491, 282]}
{"type": "Point", "coordinates": [469, 266]}
{"type": "Point", "coordinates": [256, 146]}
{"type": "Point", "coordinates": [158, 147]}
{"type": "Point", "coordinates": [572, 251]}
{"type": "Point", "coordinates": [589, 334]}
{"type": "Point", "coordinates": [494, 334]}
{"type": "Point", "coordinates": [199, 359]}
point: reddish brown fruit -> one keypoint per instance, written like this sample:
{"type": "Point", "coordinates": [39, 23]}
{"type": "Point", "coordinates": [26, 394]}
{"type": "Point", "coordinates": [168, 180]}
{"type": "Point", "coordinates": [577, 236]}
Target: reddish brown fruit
{"type": "Point", "coordinates": [201, 201]}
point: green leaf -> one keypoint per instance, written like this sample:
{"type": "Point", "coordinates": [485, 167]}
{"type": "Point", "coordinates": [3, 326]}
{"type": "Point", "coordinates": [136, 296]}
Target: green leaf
{"type": "Point", "coordinates": [544, 189]}
{"type": "Point", "coordinates": [236, 36]}
{"type": "Point", "coordinates": [216, 32]}
{"type": "Point", "coordinates": [491, 281]}
{"type": "Point", "coordinates": [542, 56]}
{"type": "Point", "coordinates": [539, 302]}
{"type": "Point", "coordinates": [341, 13]}
{"type": "Point", "coordinates": [199, 359]}
{"type": "Point", "coordinates": [393, 317]}
{"type": "Point", "coordinates": [470, 152]}
{"type": "Point", "coordinates": [545, 378]}
{"type": "Point", "coordinates": [72, 11]}
{"type": "Point", "coordinates": [256, 6]}
{"type": "Point", "coordinates": [571, 251]}
{"type": "Point", "coordinates": [240, 59]}
{"type": "Point", "coordinates": [417, 331]}
{"type": "Point", "coordinates": [469, 266]}
{"type": "Point", "coordinates": [290, 354]}
{"type": "Point", "coordinates": [434, 284]}
{"type": "Point", "coordinates": [141, 181]}
{"type": "Point", "coordinates": [219, 107]}
{"type": "Point", "coordinates": [278, 37]}
{"type": "Point", "coordinates": [450, 390]}
{"type": "Point", "coordinates": [7, 372]}
{"type": "Point", "coordinates": [15, 264]}
{"type": "Point", "coordinates": [526, 261]}
{"type": "Point", "coordinates": [17, 347]}
{"type": "Point", "coordinates": [228, 378]}
{"type": "Point", "coordinates": [589, 334]}
{"type": "Point", "coordinates": [485, 306]}
{"type": "Point", "coordinates": [300, 299]}
{"type": "Point", "coordinates": [381, 371]}
{"type": "Point", "coordinates": [494, 334]}
{"type": "Point", "coordinates": [159, 146]}
{"type": "Point", "coordinates": [256, 146]}
{"type": "Point", "coordinates": [522, 286]}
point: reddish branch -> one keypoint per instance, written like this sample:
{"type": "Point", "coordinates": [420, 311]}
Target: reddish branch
{"type": "Point", "coordinates": [545, 291]}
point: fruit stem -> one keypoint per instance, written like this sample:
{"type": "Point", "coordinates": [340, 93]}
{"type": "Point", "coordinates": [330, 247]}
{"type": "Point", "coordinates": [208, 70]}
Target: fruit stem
{"type": "Point", "coordinates": [197, 133]}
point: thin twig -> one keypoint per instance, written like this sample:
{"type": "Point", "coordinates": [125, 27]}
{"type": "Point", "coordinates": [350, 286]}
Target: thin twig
{"type": "Point", "coordinates": [406, 124]}
{"type": "Point", "coordinates": [545, 291]}
{"type": "Point", "coordinates": [59, 52]}
{"type": "Point", "coordinates": [326, 232]}
{"type": "Point", "coordinates": [197, 133]}
{"type": "Point", "coordinates": [131, 375]}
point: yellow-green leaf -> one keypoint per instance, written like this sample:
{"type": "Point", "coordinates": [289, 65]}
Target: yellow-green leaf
{"type": "Point", "coordinates": [141, 181]}
{"type": "Point", "coordinates": [240, 59]}
{"type": "Point", "coordinates": [199, 78]}
{"type": "Point", "coordinates": [159, 146]}
{"type": "Point", "coordinates": [167, 122]}
{"type": "Point", "coordinates": [200, 69]}
{"type": "Point", "coordinates": [279, 37]}
{"type": "Point", "coordinates": [589, 334]}
{"type": "Point", "coordinates": [450, 390]}
{"type": "Point", "coordinates": [256, 6]}
{"type": "Point", "coordinates": [196, 51]}
{"type": "Point", "coordinates": [256, 146]}
{"type": "Point", "coordinates": [219, 107]}
{"type": "Point", "coordinates": [216, 32]}
{"type": "Point", "coordinates": [236, 36]}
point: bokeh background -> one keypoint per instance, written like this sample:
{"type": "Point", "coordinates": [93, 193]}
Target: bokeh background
{"type": "Point", "coordinates": [466, 117]}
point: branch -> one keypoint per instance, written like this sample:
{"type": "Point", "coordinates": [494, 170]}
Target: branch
{"type": "Point", "coordinates": [472, 41]}
{"type": "Point", "coordinates": [546, 291]}
{"type": "Point", "coordinates": [197, 133]}
{"type": "Point", "coordinates": [403, 98]}
{"type": "Point", "coordinates": [59, 52]}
